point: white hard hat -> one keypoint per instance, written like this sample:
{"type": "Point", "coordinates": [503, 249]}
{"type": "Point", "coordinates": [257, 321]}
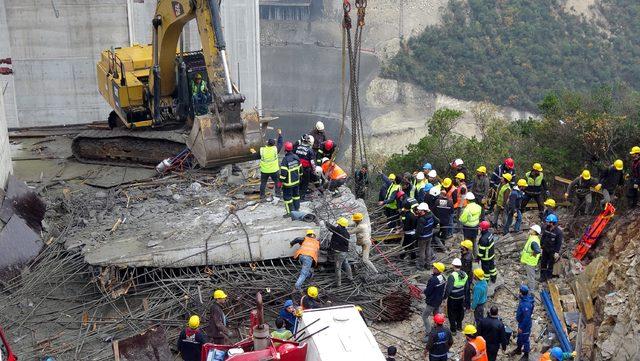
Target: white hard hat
{"type": "Point", "coordinates": [457, 262]}
{"type": "Point", "coordinates": [320, 126]}
{"type": "Point", "coordinates": [318, 170]}
{"type": "Point", "coordinates": [470, 196]}
{"type": "Point", "coordinates": [325, 159]}
{"type": "Point", "coordinates": [432, 173]}
{"type": "Point", "coordinates": [423, 207]}
{"type": "Point", "coordinates": [310, 139]}
{"type": "Point", "coordinates": [434, 191]}
{"type": "Point", "coordinates": [458, 162]}
{"type": "Point", "coordinates": [420, 176]}
{"type": "Point", "coordinates": [536, 228]}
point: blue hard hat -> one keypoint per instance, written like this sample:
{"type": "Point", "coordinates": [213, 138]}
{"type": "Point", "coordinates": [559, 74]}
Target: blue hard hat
{"type": "Point", "coordinates": [552, 218]}
{"type": "Point", "coordinates": [288, 303]}
{"type": "Point", "coordinates": [427, 187]}
{"type": "Point", "coordinates": [427, 166]}
{"type": "Point", "coordinates": [556, 353]}
{"type": "Point", "coordinates": [524, 289]}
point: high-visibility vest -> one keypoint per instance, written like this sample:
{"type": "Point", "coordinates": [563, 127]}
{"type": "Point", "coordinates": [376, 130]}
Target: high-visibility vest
{"type": "Point", "coordinates": [545, 357]}
{"type": "Point", "coordinates": [333, 171]}
{"type": "Point", "coordinates": [291, 176]}
{"type": "Point", "coordinates": [480, 345]}
{"type": "Point", "coordinates": [459, 283]}
{"type": "Point", "coordinates": [470, 216]}
{"type": "Point", "coordinates": [392, 188]}
{"type": "Point", "coordinates": [460, 201]}
{"type": "Point", "coordinates": [198, 88]}
{"type": "Point", "coordinates": [501, 192]}
{"type": "Point", "coordinates": [309, 247]}
{"type": "Point", "coordinates": [450, 192]}
{"type": "Point", "coordinates": [537, 181]}
{"type": "Point", "coordinates": [526, 256]}
{"type": "Point", "coordinates": [417, 187]}
{"type": "Point", "coordinates": [483, 251]}
{"type": "Point", "coordinates": [268, 159]}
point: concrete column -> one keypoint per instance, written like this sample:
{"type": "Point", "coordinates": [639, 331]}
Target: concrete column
{"type": "Point", "coordinates": [6, 167]}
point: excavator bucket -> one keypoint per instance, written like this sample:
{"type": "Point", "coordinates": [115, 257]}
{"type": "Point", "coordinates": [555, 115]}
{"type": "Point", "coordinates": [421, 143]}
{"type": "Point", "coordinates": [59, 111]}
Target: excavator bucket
{"type": "Point", "coordinates": [216, 141]}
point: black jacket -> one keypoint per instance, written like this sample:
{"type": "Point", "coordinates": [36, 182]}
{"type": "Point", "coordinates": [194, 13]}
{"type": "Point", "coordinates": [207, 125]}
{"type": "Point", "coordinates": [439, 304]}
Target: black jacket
{"type": "Point", "coordinates": [425, 225]}
{"type": "Point", "coordinates": [339, 238]}
{"type": "Point", "coordinates": [611, 178]}
{"type": "Point", "coordinates": [434, 292]}
{"type": "Point", "coordinates": [551, 241]}
{"type": "Point", "coordinates": [443, 209]}
{"type": "Point", "coordinates": [492, 330]}
{"type": "Point", "coordinates": [486, 240]}
{"type": "Point", "coordinates": [409, 221]}
{"type": "Point", "coordinates": [439, 341]}
{"type": "Point", "coordinates": [190, 344]}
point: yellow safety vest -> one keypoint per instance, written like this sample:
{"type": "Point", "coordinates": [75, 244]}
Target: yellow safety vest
{"type": "Point", "coordinates": [457, 292]}
{"type": "Point", "coordinates": [392, 188]}
{"type": "Point", "coordinates": [537, 182]}
{"type": "Point", "coordinates": [526, 256]}
{"type": "Point", "coordinates": [268, 159]}
{"type": "Point", "coordinates": [417, 187]}
{"type": "Point", "coordinates": [501, 192]}
{"type": "Point", "coordinates": [470, 215]}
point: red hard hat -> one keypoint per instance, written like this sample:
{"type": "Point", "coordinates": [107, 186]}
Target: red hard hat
{"type": "Point", "coordinates": [400, 193]}
{"type": "Point", "coordinates": [288, 146]}
{"type": "Point", "coordinates": [484, 225]}
{"type": "Point", "coordinates": [328, 145]}
{"type": "Point", "coordinates": [509, 163]}
{"type": "Point", "coordinates": [285, 348]}
{"type": "Point", "coordinates": [438, 319]}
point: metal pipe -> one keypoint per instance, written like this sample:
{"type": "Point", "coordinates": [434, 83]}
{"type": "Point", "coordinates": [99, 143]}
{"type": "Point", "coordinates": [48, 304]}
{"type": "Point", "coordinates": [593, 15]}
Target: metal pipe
{"type": "Point", "coordinates": [157, 21]}
{"type": "Point", "coordinates": [225, 65]}
{"type": "Point", "coordinates": [220, 43]}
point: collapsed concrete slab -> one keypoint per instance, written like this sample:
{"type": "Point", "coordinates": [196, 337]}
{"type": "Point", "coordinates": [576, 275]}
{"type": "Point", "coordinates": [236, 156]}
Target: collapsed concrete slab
{"type": "Point", "coordinates": [177, 226]}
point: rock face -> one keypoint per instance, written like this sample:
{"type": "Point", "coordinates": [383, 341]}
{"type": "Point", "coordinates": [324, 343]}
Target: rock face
{"type": "Point", "coordinates": [618, 304]}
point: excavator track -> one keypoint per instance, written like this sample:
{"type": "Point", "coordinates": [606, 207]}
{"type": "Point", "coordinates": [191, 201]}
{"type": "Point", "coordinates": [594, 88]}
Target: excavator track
{"type": "Point", "coordinates": [121, 146]}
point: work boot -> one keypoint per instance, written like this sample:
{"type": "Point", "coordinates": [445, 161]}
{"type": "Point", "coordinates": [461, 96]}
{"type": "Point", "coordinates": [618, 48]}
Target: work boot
{"type": "Point", "coordinates": [514, 352]}
{"type": "Point", "coordinates": [525, 357]}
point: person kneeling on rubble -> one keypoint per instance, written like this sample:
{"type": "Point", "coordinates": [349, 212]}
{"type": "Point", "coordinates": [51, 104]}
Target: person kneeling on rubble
{"type": "Point", "coordinates": [311, 301]}
{"type": "Point", "coordinates": [191, 340]}
{"type": "Point", "coordinates": [307, 254]}
{"type": "Point", "coordinates": [556, 354]}
{"type": "Point", "coordinates": [217, 328]}
{"type": "Point", "coordinates": [332, 174]}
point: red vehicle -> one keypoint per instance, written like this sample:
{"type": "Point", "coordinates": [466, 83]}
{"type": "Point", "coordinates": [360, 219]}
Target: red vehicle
{"type": "Point", "coordinates": [258, 347]}
{"type": "Point", "coordinates": [5, 350]}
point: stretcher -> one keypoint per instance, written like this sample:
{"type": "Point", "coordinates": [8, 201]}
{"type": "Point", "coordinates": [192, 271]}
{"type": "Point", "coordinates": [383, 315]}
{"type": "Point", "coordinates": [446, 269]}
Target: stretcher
{"type": "Point", "coordinates": [594, 230]}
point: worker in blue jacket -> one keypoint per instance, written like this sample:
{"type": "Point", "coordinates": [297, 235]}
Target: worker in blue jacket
{"type": "Point", "coordinates": [288, 314]}
{"type": "Point", "coordinates": [523, 316]}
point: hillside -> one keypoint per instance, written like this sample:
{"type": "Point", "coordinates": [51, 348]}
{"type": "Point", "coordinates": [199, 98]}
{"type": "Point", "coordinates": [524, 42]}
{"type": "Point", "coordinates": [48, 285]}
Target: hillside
{"type": "Point", "coordinates": [513, 52]}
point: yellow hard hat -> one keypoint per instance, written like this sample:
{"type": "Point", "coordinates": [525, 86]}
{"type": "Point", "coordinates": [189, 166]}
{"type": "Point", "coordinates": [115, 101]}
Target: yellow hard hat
{"type": "Point", "coordinates": [219, 294]}
{"type": "Point", "coordinates": [460, 176]}
{"type": "Point", "coordinates": [198, 76]}
{"type": "Point", "coordinates": [467, 244]}
{"type": "Point", "coordinates": [537, 166]}
{"type": "Point", "coordinates": [479, 273]}
{"type": "Point", "coordinates": [439, 266]}
{"type": "Point", "coordinates": [358, 308]}
{"type": "Point", "coordinates": [470, 330]}
{"type": "Point", "coordinates": [311, 232]}
{"type": "Point", "coordinates": [342, 222]}
{"type": "Point", "coordinates": [392, 177]}
{"type": "Point", "coordinates": [635, 150]}
{"type": "Point", "coordinates": [507, 176]}
{"type": "Point", "coordinates": [446, 182]}
{"type": "Point", "coordinates": [194, 322]}
{"type": "Point", "coordinates": [481, 169]}
{"type": "Point", "coordinates": [550, 202]}
{"type": "Point", "coordinates": [312, 292]}
{"type": "Point", "coordinates": [618, 164]}
{"type": "Point", "coordinates": [586, 175]}
{"type": "Point", "coordinates": [357, 217]}
{"type": "Point", "coordinates": [522, 183]}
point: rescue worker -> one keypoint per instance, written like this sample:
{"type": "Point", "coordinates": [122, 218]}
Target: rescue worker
{"type": "Point", "coordinates": [611, 178]}
{"type": "Point", "coordinates": [288, 314]}
{"type": "Point", "coordinates": [634, 178]}
{"type": "Point", "coordinates": [307, 255]}
{"type": "Point", "coordinates": [432, 177]}
{"type": "Point", "coordinates": [269, 165]}
{"type": "Point", "coordinates": [451, 192]}
{"type": "Point", "coordinates": [514, 206]}
{"type": "Point", "coordinates": [324, 151]}
{"type": "Point", "coordinates": [579, 192]}
{"type": "Point", "coordinates": [535, 189]}
{"type": "Point", "coordinates": [191, 340]}
{"type": "Point", "coordinates": [455, 295]}
{"type": "Point", "coordinates": [491, 328]}
{"type": "Point", "coordinates": [281, 332]}
{"type": "Point", "coordinates": [340, 247]}
{"type": "Point", "coordinates": [310, 301]}
{"type": "Point", "coordinates": [551, 244]}
{"type": "Point", "coordinates": [334, 175]}
{"type": "Point", "coordinates": [434, 294]}
{"type": "Point", "coordinates": [556, 354]}
{"type": "Point", "coordinates": [425, 224]}
{"type": "Point", "coordinates": [507, 167]}
{"type": "Point", "coordinates": [444, 213]}
{"type": "Point", "coordinates": [466, 257]}
{"type": "Point", "coordinates": [388, 198]}
{"type": "Point", "coordinates": [550, 208]}
{"type": "Point", "coordinates": [486, 251]}
{"type": "Point", "coordinates": [391, 353]}
{"type": "Point", "coordinates": [480, 185]}
{"type": "Point", "coordinates": [362, 230]}
{"type": "Point", "coordinates": [362, 181]}
{"type": "Point", "coordinates": [439, 340]}
{"type": "Point", "coordinates": [457, 166]}
{"type": "Point", "coordinates": [530, 255]}
{"type": "Point", "coordinates": [418, 190]}
{"type": "Point", "coordinates": [502, 199]}
{"type": "Point", "coordinates": [409, 221]}
{"type": "Point", "coordinates": [307, 158]}
{"type": "Point", "coordinates": [217, 326]}
{"type": "Point", "coordinates": [460, 200]}
{"type": "Point", "coordinates": [470, 218]}
{"type": "Point", "coordinates": [319, 135]}
{"type": "Point", "coordinates": [200, 95]}
{"type": "Point", "coordinates": [524, 314]}
{"type": "Point", "coordinates": [479, 295]}
{"type": "Point", "coordinates": [290, 178]}
{"type": "Point", "coordinates": [476, 347]}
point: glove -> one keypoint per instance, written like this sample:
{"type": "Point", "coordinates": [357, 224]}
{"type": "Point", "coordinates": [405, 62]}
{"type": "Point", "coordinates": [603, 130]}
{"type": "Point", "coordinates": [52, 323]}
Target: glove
{"type": "Point", "coordinates": [556, 256]}
{"type": "Point", "coordinates": [598, 187]}
{"type": "Point", "coordinates": [290, 244]}
{"type": "Point", "coordinates": [635, 186]}
{"type": "Point", "coordinates": [574, 354]}
{"type": "Point", "coordinates": [253, 151]}
{"type": "Point", "coordinates": [566, 195]}
{"type": "Point", "coordinates": [380, 203]}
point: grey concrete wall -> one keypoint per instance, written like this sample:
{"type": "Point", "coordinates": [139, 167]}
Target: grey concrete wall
{"type": "Point", "coordinates": [6, 167]}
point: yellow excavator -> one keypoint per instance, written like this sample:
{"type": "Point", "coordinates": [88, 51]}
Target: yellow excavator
{"type": "Point", "coordinates": [159, 105]}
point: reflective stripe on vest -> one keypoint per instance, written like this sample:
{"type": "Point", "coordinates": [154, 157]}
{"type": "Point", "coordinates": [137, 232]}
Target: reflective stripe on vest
{"type": "Point", "coordinates": [471, 213]}
{"type": "Point", "coordinates": [309, 247]}
{"type": "Point", "coordinates": [287, 180]}
{"type": "Point", "coordinates": [537, 182]}
{"type": "Point", "coordinates": [268, 159]}
{"type": "Point", "coordinates": [483, 252]}
{"type": "Point", "coordinates": [198, 88]}
{"type": "Point", "coordinates": [459, 283]}
{"type": "Point", "coordinates": [460, 201]}
{"type": "Point", "coordinates": [526, 256]}
{"type": "Point", "coordinates": [417, 188]}
{"type": "Point", "coordinates": [501, 192]}
{"type": "Point", "coordinates": [333, 171]}
{"type": "Point", "coordinates": [450, 192]}
{"type": "Point", "coordinates": [480, 345]}
{"type": "Point", "coordinates": [392, 188]}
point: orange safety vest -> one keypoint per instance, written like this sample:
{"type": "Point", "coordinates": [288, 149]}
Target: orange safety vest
{"type": "Point", "coordinates": [545, 357]}
{"type": "Point", "coordinates": [450, 192]}
{"type": "Point", "coordinates": [309, 247]}
{"type": "Point", "coordinates": [459, 201]}
{"type": "Point", "coordinates": [480, 345]}
{"type": "Point", "coordinates": [333, 171]}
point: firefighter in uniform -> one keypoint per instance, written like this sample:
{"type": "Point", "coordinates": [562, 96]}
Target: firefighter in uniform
{"type": "Point", "coordinates": [455, 295]}
{"type": "Point", "coordinates": [290, 178]}
{"type": "Point", "coordinates": [306, 155]}
{"type": "Point", "coordinates": [486, 253]}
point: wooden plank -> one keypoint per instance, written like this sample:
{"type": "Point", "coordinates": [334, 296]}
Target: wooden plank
{"type": "Point", "coordinates": [588, 337]}
{"type": "Point", "coordinates": [389, 237]}
{"type": "Point", "coordinates": [569, 303]}
{"type": "Point", "coordinates": [583, 296]}
{"type": "Point", "coordinates": [555, 298]}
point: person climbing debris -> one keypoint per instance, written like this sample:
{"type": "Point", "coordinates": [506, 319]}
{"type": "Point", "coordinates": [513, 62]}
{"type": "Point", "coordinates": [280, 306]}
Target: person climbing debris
{"type": "Point", "coordinates": [307, 255]}
{"type": "Point", "coordinates": [579, 193]}
{"type": "Point", "coordinates": [340, 247]}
